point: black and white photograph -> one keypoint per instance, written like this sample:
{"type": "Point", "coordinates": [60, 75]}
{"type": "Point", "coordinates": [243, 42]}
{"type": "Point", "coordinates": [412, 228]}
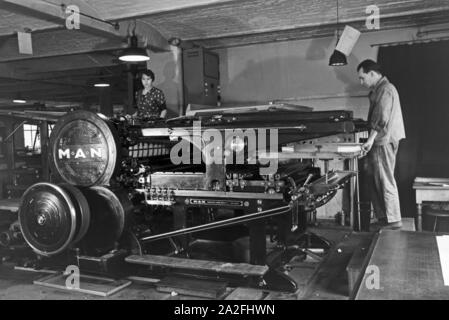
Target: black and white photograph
{"type": "Point", "coordinates": [227, 156]}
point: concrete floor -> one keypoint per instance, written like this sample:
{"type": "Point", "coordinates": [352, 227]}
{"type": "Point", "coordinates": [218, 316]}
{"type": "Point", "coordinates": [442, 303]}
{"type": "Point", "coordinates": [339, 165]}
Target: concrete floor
{"type": "Point", "coordinates": [316, 280]}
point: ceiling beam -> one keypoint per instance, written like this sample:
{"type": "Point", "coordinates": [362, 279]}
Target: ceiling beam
{"type": "Point", "coordinates": [56, 11]}
{"type": "Point", "coordinates": [27, 86]}
{"type": "Point", "coordinates": [80, 76]}
{"type": "Point", "coordinates": [27, 80]}
{"type": "Point", "coordinates": [54, 96]}
{"type": "Point", "coordinates": [319, 31]}
{"type": "Point", "coordinates": [91, 22]}
{"type": "Point", "coordinates": [258, 16]}
{"type": "Point", "coordinates": [63, 64]}
{"type": "Point", "coordinates": [122, 10]}
{"type": "Point", "coordinates": [58, 43]}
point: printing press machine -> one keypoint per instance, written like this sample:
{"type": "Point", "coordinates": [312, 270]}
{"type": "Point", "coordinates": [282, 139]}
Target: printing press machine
{"type": "Point", "coordinates": [125, 191]}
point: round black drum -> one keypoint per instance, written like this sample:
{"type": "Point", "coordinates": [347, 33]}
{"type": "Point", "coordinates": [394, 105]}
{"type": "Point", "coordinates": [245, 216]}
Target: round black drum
{"type": "Point", "coordinates": [84, 149]}
{"type": "Point", "coordinates": [109, 213]}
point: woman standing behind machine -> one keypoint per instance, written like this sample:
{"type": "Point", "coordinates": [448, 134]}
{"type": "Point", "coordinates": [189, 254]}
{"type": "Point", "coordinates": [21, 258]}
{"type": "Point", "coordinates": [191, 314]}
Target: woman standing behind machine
{"type": "Point", "coordinates": [150, 100]}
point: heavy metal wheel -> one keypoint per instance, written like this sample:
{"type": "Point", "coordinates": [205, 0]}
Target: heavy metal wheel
{"type": "Point", "coordinates": [47, 218]}
{"type": "Point", "coordinates": [53, 217]}
{"type": "Point", "coordinates": [84, 149]}
{"type": "Point", "coordinates": [108, 218]}
{"type": "Point", "coordinates": [82, 209]}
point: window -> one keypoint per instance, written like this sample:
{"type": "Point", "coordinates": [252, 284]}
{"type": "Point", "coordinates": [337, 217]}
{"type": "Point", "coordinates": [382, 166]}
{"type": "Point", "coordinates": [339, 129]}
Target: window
{"type": "Point", "coordinates": [31, 137]}
{"type": "Point", "coordinates": [50, 128]}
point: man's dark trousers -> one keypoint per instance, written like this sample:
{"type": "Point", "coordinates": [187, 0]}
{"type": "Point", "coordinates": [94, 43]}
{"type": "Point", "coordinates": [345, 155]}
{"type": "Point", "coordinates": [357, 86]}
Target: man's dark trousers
{"type": "Point", "coordinates": [382, 185]}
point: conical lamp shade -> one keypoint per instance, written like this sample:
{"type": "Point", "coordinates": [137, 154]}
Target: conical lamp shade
{"type": "Point", "coordinates": [134, 53]}
{"type": "Point", "coordinates": [337, 59]}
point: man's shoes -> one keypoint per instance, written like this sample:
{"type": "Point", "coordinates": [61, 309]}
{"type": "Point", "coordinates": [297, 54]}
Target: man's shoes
{"type": "Point", "coordinates": [383, 224]}
{"type": "Point", "coordinates": [393, 225]}
{"type": "Point", "coordinates": [380, 222]}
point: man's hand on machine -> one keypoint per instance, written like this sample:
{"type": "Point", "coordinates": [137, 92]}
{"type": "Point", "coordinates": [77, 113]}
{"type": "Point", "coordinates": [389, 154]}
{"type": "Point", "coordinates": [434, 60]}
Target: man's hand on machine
{"type": "Point", "coordinates": [366, 147]}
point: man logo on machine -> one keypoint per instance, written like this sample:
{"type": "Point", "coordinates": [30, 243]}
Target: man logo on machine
{"type": "Point", "coordinates": [210, 146]}
{"type": "Point", "coordinates": [79, 153]}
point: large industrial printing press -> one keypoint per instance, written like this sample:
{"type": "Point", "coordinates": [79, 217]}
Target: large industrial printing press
{"type": "Point", "coordinates": [129, 196]}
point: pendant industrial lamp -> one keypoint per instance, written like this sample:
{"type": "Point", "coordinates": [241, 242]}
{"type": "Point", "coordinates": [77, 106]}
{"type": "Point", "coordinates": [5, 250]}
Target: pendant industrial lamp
{"type": "Point", "coordinates": [337, 58]}
{"type": "Point", "coordinates": [18, 99]}
{"type": "Point", "coordinates": [101, 82]}
{"type": "Point", "coordinates": [133, 53]}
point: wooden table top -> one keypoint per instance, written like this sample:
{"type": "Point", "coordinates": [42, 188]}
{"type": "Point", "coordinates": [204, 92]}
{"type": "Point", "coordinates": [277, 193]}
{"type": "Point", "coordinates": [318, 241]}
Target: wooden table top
{"type": "Point", "coordinates": [431, 183]}
{"type": "Point", "coordinates": [409, 267]}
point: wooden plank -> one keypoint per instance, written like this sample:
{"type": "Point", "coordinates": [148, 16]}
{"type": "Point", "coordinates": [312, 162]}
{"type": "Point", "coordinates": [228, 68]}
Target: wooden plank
{"type": "Point", "coordinates": [409, 268]}
{"type": "Point", "coordinates": [245, 294]}
{"type": "Point", "coordinates": [199, 265]}
{"type": "Point", "coordinates": [192, 287]}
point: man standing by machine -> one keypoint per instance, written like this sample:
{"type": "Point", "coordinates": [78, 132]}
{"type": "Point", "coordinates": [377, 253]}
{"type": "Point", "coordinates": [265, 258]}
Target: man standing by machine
{"type": "Point", "coordinates": [386, 130]}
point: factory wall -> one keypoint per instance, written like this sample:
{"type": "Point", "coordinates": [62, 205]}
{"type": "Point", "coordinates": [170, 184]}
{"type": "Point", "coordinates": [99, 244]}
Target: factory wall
{"type": "Point", "coordinates": [294, 72]}
{"type": "Point", "coordinates": [297, 72]}
{"type": "Point", "coordinates": [168, 78]}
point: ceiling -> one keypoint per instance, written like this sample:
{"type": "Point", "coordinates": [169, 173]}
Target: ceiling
{"type": "Point", "coordinates": [65, 63]}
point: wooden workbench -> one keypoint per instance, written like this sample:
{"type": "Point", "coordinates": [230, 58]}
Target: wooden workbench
{"type": "Point", "coordinates": [429, 189]}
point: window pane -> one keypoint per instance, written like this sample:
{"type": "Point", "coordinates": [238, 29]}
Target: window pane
{"type": "Point", "coordinates": [29, 135]}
